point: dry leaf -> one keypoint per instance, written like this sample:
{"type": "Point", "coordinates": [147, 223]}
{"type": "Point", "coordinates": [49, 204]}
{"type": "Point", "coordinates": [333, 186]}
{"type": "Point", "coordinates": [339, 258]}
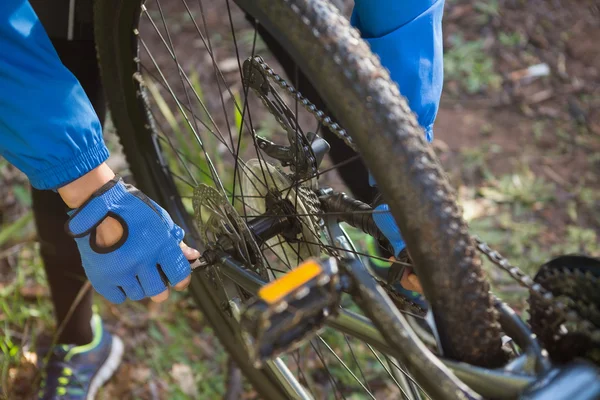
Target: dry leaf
{"type": "Point", "coordinates": [184, 377]}
{"type": "Point", "coordinates": [140, 374]}
{"type": "Point", "coordinates": [34, 291]}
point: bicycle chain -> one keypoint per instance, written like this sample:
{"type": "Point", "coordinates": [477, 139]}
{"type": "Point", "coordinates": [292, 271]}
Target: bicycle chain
{"type": "Point", "coordinates": [562, 310]}
{"type": "Point", "coordinates": [400, 301]}
{"type": "Point", "coordinates": [307, 104]}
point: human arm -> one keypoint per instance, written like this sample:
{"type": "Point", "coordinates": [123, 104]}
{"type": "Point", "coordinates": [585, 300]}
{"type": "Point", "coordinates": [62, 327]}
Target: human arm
{"type": "Point", "coordinates": [49, 130]}
{"type": "Point", "coordinates": [407, 37]}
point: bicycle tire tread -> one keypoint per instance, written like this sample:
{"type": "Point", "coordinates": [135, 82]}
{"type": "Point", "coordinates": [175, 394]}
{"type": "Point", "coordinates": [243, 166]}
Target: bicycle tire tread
{"type": "Point", "coordinates": [446, 259]}
{"type": "Point", "coordinates": [436, 234]}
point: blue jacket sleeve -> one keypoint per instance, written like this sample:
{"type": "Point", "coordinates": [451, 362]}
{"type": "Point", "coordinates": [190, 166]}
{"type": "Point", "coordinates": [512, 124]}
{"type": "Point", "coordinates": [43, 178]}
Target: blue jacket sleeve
{"type": "Point", "coordinates": [48, 128]}
{"type": "Point", "coordinates": [407, 37]}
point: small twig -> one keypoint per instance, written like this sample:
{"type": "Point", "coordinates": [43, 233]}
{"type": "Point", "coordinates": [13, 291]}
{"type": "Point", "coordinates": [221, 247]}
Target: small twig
{"type": "Point", "coordinates": [153, 390]}
{"type": "Point", "coordinates": [554, 176]}
{"type": "Point", "coordinates": [540, 97]}
{"type": "Point", "coordinates": [235, 385]}
{"type": "Point", "coordinates": [82, 292]}
{"type": "Point", "coordinates": [11, 250]}
{"type": "Point", "coordinates": [16, 245]}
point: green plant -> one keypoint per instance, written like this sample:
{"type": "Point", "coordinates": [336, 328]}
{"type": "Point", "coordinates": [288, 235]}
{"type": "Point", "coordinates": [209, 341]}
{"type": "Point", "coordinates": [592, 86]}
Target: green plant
{"type": "Point", "coordinates": [519, 240]}
{"type": "Point", "coordinates": [25, 312]}
{"type": "Point", "coordinates": [538, 129]}
{"type": "Point", "coordinates": [520, 189]}
{"type": "Point", "coordinates": [198, 125]}
{"type": "Point", "coordinates": [16, 229]}
{"type": "Point", "coordinates": [578, 240]}
{"type": "Point", "coordinates": [474, 160]}
{"type": "Point", "coordinates": [513, 39]}
{"type": "Point", "coordinates": [486, 11]}
{"type": "Point", "coordinates": [468, 63]}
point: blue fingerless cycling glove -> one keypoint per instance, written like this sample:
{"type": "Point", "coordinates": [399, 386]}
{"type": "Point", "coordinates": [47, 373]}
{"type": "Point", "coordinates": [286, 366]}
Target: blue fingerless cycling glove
{"type": "Point", "coordinates": [387, 225]}
{"type": "Point", "coordinates": [150, 244]}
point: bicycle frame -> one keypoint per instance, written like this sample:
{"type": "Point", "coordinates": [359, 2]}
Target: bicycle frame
{"type": "Point", "coordinates": [387, 330]}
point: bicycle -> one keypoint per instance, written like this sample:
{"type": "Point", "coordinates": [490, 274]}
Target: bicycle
{"type": "Point", "coordinates": [271, 208]}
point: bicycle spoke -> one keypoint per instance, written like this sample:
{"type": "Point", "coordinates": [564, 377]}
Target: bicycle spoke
{"type": "Point", "coordinates": [207, 151]}
{"type": "Point", "coordinates": [180, 70]}
{"type": "Point", "coordinates": [331, 378]}
{"type": "Point", "coordinates": [303, 376]}
{"type": "Point", "coordinates": [385, 368]}
{"type": "Point", "coordinates": [253, 179]}
{"type": "Point", "coordinates": [345, 366]}
{"type": "Point", "coordinates": [215, 176]}
{"type": "Point", "coordinates": [356, 363]}
{"type": "Point", "coordinates": [320, 173]}
{"type": "Point", "coordinates": [410, 378]}
{"type": "Point", "coordinates": [178, 153]}
{"type": "Point", "coordinates": [217, 70]}
{"type": "Point", "coordinates": [219, 137]}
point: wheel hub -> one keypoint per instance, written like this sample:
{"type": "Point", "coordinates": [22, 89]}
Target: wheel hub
{"type": "Point", "coordinates": [268, 191]}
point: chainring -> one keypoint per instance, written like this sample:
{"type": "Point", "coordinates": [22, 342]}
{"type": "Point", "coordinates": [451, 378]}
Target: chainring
{"type": "Point", "coordinates": [220, 225]}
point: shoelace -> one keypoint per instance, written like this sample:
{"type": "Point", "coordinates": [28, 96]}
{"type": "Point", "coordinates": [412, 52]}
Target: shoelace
{"type": "Point", "coordinates": [67, 383]}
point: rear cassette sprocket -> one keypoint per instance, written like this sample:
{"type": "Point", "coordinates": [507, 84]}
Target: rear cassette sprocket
{"type": "Point", "coordinates": [575, 280]}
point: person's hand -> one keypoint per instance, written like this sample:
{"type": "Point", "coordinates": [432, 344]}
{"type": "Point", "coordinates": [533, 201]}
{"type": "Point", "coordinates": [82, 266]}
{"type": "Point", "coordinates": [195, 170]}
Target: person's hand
{"type": "Point", "coordinates": [409, 280]}
{"type": "Point", "coordinates": [129, 245]}
{"type": "Point", "coordinates": [387, 225]}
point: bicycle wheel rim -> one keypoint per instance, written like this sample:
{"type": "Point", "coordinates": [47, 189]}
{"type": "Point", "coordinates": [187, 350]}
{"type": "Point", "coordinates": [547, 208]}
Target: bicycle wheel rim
{"type": "Point", "coordinates": [163, 188]}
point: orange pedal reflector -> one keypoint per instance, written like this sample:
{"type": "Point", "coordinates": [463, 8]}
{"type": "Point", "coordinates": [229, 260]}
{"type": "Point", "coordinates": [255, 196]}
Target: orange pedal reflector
{"type": "Point", "coordinates": [278, 289]}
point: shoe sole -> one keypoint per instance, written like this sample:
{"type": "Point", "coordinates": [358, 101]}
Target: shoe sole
{"type": "Point", "coordinates": [107, 369]}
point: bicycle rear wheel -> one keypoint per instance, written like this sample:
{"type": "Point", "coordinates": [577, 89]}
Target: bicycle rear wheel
{"type": "Point", "coordinates": [354, 87]}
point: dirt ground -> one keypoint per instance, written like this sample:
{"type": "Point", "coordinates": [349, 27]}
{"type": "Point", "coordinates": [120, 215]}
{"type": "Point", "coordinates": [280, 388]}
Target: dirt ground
{"type": "Point", "coordinates": [518, 132]}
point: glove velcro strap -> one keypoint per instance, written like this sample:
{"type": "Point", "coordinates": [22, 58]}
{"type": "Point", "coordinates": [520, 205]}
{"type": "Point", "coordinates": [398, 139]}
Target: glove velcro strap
{"type": "Point", "coordinates": [385, 222]}
{"type": "Point", "coordinates": [89, 215]}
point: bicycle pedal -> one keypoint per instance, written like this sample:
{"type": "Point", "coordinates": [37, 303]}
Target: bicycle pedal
{"type": "Point", "coordinates": [291, 309]}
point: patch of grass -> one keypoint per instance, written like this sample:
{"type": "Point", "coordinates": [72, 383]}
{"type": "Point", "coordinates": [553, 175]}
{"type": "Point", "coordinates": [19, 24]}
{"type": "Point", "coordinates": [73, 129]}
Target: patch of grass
{"type": "Point", "coordinates": [519, 241]}
{"type": "Point", "coordinates": [16, 229]}
{"type": "Point", "coordinates": [248, 39]}
{"type": "Point", "coordinates": [539, 129]}
{"type": "Point", "coordinates": [171, 343]}
{"type": "Point", "coordinates": [268, 127]}
{"type": "Point", "coordinates": [468, 63]}
{"type": "Point", "coordinates": [486, 10]}
{"type": "Point", "coordinates": [512, 39]}
{"type": "Point", "coordinates": [589, 196]}
{"type": "Point", "coordinates": [578, 240]}
{"type": "Point", "coordinates": [25, 314]}
{"type": "Point", "coordinates": [188, 144]}
{"type": "Point", "coordinates": [475, 162]}
{"type": "Point", "coordinates": [523, 189]}
{"type": "Point", "coordinates": [168, 347]}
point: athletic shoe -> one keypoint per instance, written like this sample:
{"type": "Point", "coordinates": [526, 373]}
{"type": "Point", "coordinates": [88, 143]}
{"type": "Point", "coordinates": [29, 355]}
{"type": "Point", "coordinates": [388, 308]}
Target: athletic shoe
{"type": "Point", "coordinates": [77, 372]}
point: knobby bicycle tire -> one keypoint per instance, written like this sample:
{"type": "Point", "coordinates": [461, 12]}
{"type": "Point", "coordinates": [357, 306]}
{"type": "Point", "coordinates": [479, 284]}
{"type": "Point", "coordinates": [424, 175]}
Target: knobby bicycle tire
{"type": "Point", "coordinates": [360, 93]}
